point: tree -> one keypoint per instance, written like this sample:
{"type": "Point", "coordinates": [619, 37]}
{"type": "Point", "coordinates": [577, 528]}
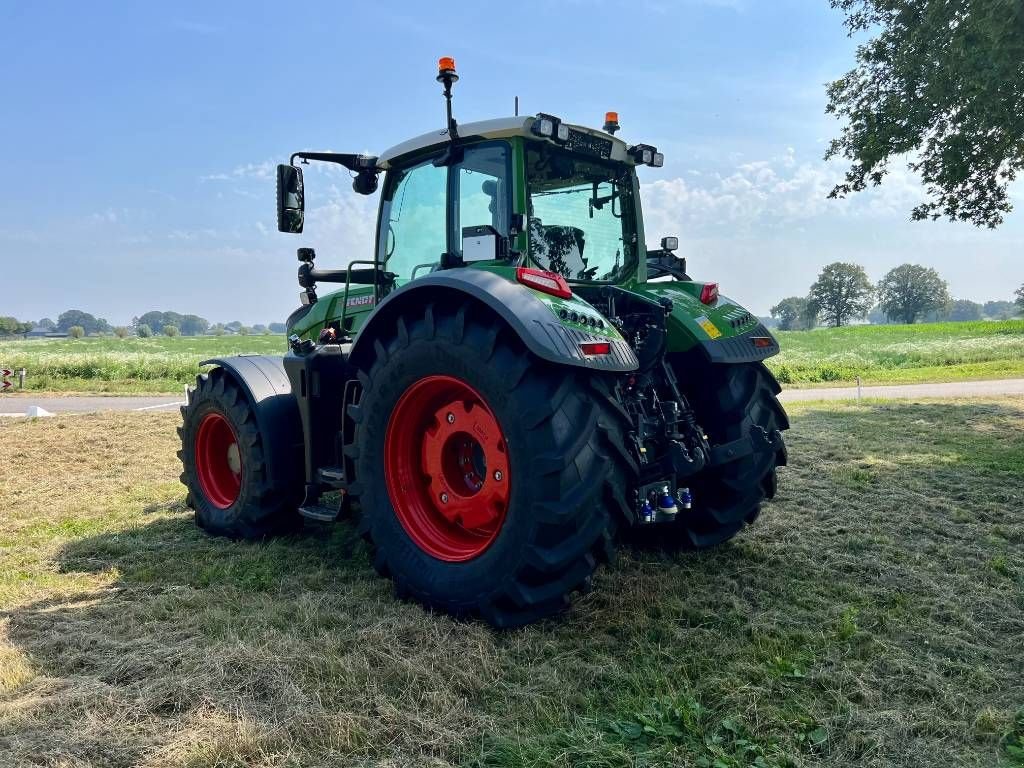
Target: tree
{"type": "Point", "coordinates": [121, 332]}
{"type": "Point", "coordinates": [155, 321]}
{"type": "Point", "coordinates": [940, 81]}
{"type": "Point", "coordinates": [1020, 299]}
{"type": "Point", "coordinates": [217, 329]}
{"type": "Point", "coordinates": [244, 330]}
{"type": "Point", "coordinates": [47, 324]}
{"type": "Point", "coordinates": [234, 325]}
{"type": "Point", "coordinates": [791, 313]}
{"type": "Point", "coordinates": [143, 330]}
{"type": "Point", "coordinates": [193, 325]}
{"type": "Point", "coordinates": [909, 291]}
{"type": "Point", "coordinates": [963, 310]}
{"type": "Point", "coordinates": [76, 331]}
{"type": "Point", "coordinates": [841, 293]}
{"type": "Point", "coordinates": [277, 327]}
{"type": "Point", "coordinates": [999, 310]}
{"type": "Point", "coordinates": [87, 322]}
{"type": "Point", "coordinates": [171, 331]}
{"type": "Point", "coordinates": [11, 326]}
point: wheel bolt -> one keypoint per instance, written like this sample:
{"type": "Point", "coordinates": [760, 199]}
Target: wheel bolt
{"type": "Point", "coordinates": [444, 498]}
{"type": "Point", "coordinates": [498, 475]}
{"type": "Point", "coordinates": [451, 418]}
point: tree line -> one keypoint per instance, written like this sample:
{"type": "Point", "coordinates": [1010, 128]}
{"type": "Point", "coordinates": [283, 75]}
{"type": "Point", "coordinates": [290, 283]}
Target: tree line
{"type": "Point", "coordinates": [78, 323]}
{"type": "Point", "coordinates": [907, 293]}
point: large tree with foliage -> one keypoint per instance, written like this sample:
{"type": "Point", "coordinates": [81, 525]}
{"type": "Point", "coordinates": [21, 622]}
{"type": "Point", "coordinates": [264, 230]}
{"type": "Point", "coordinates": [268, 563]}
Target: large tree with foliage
{"type": "Point", "coordinates": [909, 291]}
{"type": "Point", "coordinates": [1020, 298]}
{"type": "Point", "coordinates": [88, 323]}
{"type": "Point", "coordinates": [943, 82]}
{"type": "Point", "coordinates": [792, 314]}
{"type": "Point", "coordinates": [841, 293]}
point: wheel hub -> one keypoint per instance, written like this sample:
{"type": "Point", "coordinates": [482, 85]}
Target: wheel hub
{"type": "Point", "coordinates": [447, 468]}
{"type": "Point", "coordinates": [218, 460]}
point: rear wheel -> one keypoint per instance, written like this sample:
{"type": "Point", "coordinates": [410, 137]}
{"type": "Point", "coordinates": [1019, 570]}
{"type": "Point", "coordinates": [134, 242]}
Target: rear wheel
{"type": "Point", "coordinates": [730, 401]}
{"type": "Point", "coordinates": [482, 473]}
{"type": "Point", "coordinates": [222, 457]}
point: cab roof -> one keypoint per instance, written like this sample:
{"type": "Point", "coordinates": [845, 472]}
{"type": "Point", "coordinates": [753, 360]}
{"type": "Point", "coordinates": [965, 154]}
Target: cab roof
{"type": "Point", "coordinates": [498, 128]}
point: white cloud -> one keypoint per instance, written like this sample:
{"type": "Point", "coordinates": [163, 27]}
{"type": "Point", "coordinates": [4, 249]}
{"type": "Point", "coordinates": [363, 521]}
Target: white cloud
{"type": "Point", "coordinates": [766, 195]}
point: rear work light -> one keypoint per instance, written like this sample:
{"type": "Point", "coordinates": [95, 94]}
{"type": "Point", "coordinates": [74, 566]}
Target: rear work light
{"type": "Point", "coordinates": [547, 282]}
{"type": "Point", "coordinates": [596, 348]}
{"type": "Point", "coordinates": [709, 293]}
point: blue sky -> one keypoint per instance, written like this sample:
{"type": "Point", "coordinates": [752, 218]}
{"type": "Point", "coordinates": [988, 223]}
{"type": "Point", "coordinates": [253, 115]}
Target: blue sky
{"type": "Point", "coordinates": [140, 140]}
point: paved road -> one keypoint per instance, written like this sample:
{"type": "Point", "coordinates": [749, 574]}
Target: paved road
{"type": "Point", "coordinates": [910, 391]}
{"type": "Point", "coordinates": [15, 405]}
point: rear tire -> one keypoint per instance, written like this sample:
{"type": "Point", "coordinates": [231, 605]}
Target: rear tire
{"type": "Point", "coordinates": [545, 533]}
{"type": "Point", "coordinates": [729, 400]}
{"type": "Point", "coordinates": [223, 465]}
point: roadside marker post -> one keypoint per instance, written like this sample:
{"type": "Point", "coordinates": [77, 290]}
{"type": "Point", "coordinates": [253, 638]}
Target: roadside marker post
{"type": "Point", "coordinates": [4, 373]}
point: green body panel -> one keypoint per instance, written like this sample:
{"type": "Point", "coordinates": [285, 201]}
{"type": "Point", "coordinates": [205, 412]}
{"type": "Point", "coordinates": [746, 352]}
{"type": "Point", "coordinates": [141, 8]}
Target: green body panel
{"type": "Point", "coordinates": [330, 307]}
{"type": "Point", "coordinates": [690, 322]}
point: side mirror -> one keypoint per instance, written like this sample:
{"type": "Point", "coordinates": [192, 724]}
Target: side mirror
{"type": "Point", "coordinates": [291, 202]}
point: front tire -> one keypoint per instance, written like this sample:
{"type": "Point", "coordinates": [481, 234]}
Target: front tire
{"type": "Point", "coordinates": [223, 466]}
{"type": "Point", "coordinates": [481, 472]}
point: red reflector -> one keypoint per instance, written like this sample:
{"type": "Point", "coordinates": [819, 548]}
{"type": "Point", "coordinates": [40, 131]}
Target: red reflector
{"type": "Point", "coordinates": [761, 341]}
{"type": "Point", "coordinates": [596, 348]}
{"type": "Point", "coordinates": [541, 280]}
{"type": "Point", "coordinates": [709, 293]}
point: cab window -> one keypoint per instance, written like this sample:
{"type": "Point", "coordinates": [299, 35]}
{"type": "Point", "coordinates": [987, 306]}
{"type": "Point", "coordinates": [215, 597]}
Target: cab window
{"type": "Point", "coordinates": [413, 220]}
{"type": "Point", "coordinates": [480, 186]}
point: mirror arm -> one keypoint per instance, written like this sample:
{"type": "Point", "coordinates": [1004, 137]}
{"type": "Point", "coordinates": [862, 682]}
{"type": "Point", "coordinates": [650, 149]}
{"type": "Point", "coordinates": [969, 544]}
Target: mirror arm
{"type": "Point", "coordinates": [355, 163]}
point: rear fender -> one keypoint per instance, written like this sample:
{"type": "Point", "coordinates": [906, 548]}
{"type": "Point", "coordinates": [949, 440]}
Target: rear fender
{"type": "Point", "coordinates": [723, 332]}
{"type": "Point", "coordinates": [530, 314]}
{"type": "Point", "coordinates": [264, 381]}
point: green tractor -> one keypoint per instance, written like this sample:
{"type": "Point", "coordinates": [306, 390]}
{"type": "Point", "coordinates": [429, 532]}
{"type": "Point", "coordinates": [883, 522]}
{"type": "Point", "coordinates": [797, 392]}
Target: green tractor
{"type": "Point", "coordinates": [512, 384]}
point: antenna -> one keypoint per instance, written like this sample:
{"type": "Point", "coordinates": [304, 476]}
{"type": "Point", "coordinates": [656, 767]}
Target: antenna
{"type": "Point", "coordinates": [517, 106]}
{"type": "Point", "coordinates": [446, 74]}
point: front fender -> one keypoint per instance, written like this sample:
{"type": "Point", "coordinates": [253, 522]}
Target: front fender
{"type": "Point", "coordinates": [263, 380]}
{"type": "Point", "coordinates": [528, 313]}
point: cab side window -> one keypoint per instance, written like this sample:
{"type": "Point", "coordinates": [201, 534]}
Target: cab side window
{"type": "Point", "coordinates": [481, 187]}
{"type": "Point", "coordinates": [413, 220]}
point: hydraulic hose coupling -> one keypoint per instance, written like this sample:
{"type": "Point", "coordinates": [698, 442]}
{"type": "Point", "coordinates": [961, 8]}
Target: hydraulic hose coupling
{"type": "Point", "coordinates": [647, 512]}
{"type": "Point", "coordinates": [684, 499]}
{"type": "Point", "coordinates": [667, 504]}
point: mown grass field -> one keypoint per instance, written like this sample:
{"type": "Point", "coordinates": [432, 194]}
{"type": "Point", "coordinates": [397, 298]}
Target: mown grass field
{"type": "Point", "coordinates": [901, 354]}
{"type": "Point", "coordinates": [873, 616]}
{"type": "Point", "coordinates": [878, 354]}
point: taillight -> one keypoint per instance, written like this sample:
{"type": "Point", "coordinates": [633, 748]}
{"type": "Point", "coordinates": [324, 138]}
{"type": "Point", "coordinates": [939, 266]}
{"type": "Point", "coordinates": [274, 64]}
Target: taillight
{"type": "Point", "coordinates": [761, 341]}
{"type": "Point", "coordinates": [596, 348]}
{"type": "Point", "coordinates": [541, 280]}
{"type": "Point", "coordinates": [709, 293]}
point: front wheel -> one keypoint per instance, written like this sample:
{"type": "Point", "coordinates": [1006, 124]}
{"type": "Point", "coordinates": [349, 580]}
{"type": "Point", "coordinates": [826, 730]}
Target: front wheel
{"type": "Point", "coordinates": [223, 467]}
{"type": "Point", "coordinates": [481, 473]}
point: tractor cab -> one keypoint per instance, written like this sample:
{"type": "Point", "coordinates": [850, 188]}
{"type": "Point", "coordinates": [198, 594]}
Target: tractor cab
{"type": "Point", "coordinates": [560, 202]}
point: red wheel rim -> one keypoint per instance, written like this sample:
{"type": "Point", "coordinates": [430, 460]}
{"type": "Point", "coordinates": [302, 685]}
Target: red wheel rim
{"type": "Point", "coordinates": [447, 469]}
{"type": "Point", "coordinates": [218, 461]}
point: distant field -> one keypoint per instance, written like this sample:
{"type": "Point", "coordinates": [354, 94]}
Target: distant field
{"type": "Point", "coordinates": [879, 354]}
{"type": "Point", "coordinates": [131, 365]}
{"type": "Point", "coordinates": [872, 617]}
{"type": "Point", "coordinates": [896, 354]}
